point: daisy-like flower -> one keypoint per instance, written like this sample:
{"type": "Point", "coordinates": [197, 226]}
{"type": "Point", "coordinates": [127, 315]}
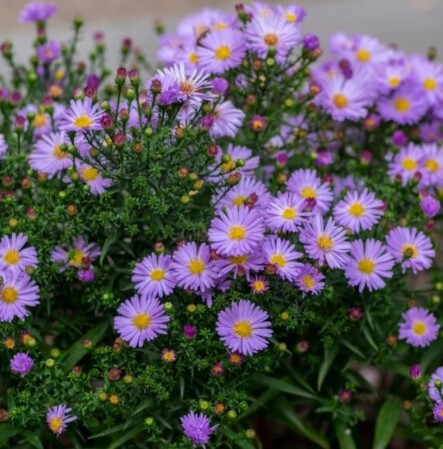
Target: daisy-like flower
{"type": "Point", "coordinates": [58, 417]}
{"type": "Point", "coordinates": [187, 54]}
{"type": "Point", "coordinates": [391, 75]}
{"type": "Point", "coordinates": [193, 268]}
{"type": "Point", "coordinates": [419, 328]}
{"type": "Point", "coordinates": [430, 77]}
{"type": "Point", "coordinates": [37, 12]}
{"type": "Point", "coordinates": [227, 120]}
{"type": "Point", "coordinates": [436, 392]}
{"type": "Point", "coordinates": [292, 13]}
{"type": "Point", "coordinates": [47, 156]}
{"type": "Point", "coordinates": [258, 285]}
{"type": "Point", "coordinates": [153, 276]}
{"type": "Point", "coordinates": [221, 50]}
{"type": "Point", "coordinates": [242, 264]}
{"type": "Point", "coordinates": [140, 319]}
{"type": "Point", "coordinates": [14, 256]}
{"type": "Point", "coordinates": [92, 177]}
{"type": "Point", "coordinates": [437, 411]}
{"type": "Point", "coordinates": [81, 116]}
{"type": "Point", "coordinates": [271, 32]}
{"type": "Point", "coordinates": [367, 51]}
{"type": "Point", "coordinates": [309, 279]}
{"type": "Point", "coordinates": [358, 211]}
{"type": "Point", "coordinates": [325, 243]}
{"type": "Point", "coordinates": [197, 427]}
{"type": "Point", "coordinates": [307, 185]}
{"type": "Point", "coordinates": [244, 327]}
{"type": "Point", "coordinates": [405, 107]}
{"type": "Point", "coordinates": [282, 255]}
{"type": "Point", "coordinates": [285, 213]}
{"type": "Point", "coordinates": [48, 52]}
{"type": "Point", "coordinates": [21, 363]}
{"type": "Point", "coordinates": [432, 165]}
{"type": "Point", "coordinates": [236, 231]}
{"type": "Point", "coordinates": [75, 255]}
{"type": "Point", "coordinates": [3, 147]}
{"type": "Point", "coordinates": [369, 264]}
{"type": "Point", "coordinates": [406, 163]}
{"type": "Point", "coordinates": [411, 248]}
{"type": "Point", "coordinates": [17, 292]}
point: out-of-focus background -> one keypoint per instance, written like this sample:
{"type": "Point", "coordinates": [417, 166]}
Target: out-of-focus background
{"type": "Point", "coordinates": [412, 24]}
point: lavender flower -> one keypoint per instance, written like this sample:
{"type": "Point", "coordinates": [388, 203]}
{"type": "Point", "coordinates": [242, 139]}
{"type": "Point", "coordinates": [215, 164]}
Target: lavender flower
{"type": "Point", "coordinates": [22, 363]}
{"type": "Point", "coordinates": [197, 427]}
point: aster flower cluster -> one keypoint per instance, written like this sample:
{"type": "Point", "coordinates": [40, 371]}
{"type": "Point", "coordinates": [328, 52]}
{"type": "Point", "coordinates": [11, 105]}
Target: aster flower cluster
{"type": "Point", "coordinates": [246, 228]}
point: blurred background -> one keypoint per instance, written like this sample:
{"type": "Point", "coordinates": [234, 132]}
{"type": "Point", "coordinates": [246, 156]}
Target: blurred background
{"type": "Point", "coordinates": [412, 24]}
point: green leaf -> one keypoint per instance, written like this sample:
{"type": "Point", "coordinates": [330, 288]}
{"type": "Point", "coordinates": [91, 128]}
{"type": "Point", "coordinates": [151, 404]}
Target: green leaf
{"type": "Point", "coordinates": [233, 436]}
{"type": "Point", "coordinates": [353, 349]}
{"type": "Point", "coordinates": [344, 436]}
{"type": "Point", "coordinates": [126, 437]}
{"type": "Point", "coordinates": [328, 358]}
{"type": "Point", "coordinates": [107, 245]}
{"type": "Point", "coordinates": [6, 432]}
{"type": "Point", "coordinates": [111, 430]}
{"type": "Point", "coordinates": [387, 420]}
{"type": "Point", "coordinates": [432, 353]}
{"type": "Point", "coordinates": [284, 387]}
{"type": "Point", "coordinates": [369, 339]}
{"type": "Point", "coordinates": [33, 440]}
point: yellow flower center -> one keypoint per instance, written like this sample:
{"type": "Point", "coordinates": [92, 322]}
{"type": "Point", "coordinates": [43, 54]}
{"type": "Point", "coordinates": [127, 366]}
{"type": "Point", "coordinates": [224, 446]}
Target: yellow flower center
{"type": "Point", "coordinates": [55, 91]}
{"type": "Point", "coordinates": [394, 81]}
{"type": "Point", "coordinates": [55, 424]}
{"type": "Point", "coordinates": [196, 266]}
{"type": "Point", "coordinates": [409, 251]}
{"type": "Point", "coordinates": [39, 120]}
{"type": "Point", "coordinates": [278, 259]}
{"type": "Point", "coordinates": [430, 84]}
{"type": "Point", "coordinates": [59, 74]}
{"type": "Point", "coordinates": [157, 274]}
{"type": "Point", "coordinates": [222, 53]}
{"type": "Point", "coordinates": [308, 192]}
{"type": "Point", "coordinates": [228, 166]}
{"type": "Point", "coordinates": [237, 232]}
{"type": "Point", "coordinates": [9, 295]}
{"type": "Point", "coordinates": [77, 257]}
{"type": "Point", "coordinates": [289, 213]}
{"type": "Point", "coordinates": [259, 286]}
{"type": "Point", "coordinates": [363, 55]}
{"type": "Point", "coordinates": [409, 164]}
{"type": "Point", "coordinates": [271, 39]}
{"type": "Point", "coordinates": [290, 16]}
{"type": "Point", "coordinates": [432, 165]}
{"type": "Point", "coordinates": [340, 100]}
{"type": "Point", "coordinates": [239, 200]}
{"type": "Point", "coordinates": [58, 153]}
{"type": "Point", "coordinates": [243, 329]}
{"type": "Point", "coordinates": [187, 87]}
{"type": "Point", "coordinates": [90, 174]}
{"type": "Point", "coordinates": [168, 356]}
{"type": "Point", "coordinates": [83, 121]}
{"type": "Point", "coordinates": [402, 104]}
{"type": "Point", "coordinates": [366, 265]}
{"type": "Point", "coordinates": [193, 58]}
{"type": "Point", "coordinates": [220, 26]}
{"type": "Point", "coordinates": [308, 281]}
{"type": "Point", "coordinates": [238, 260]}
{"type": "Point", "coordinates": [141, 321]}
{"type": "Point", "coordinates": [419, 327]}
{"type": "Point", "coordinates": [324, 243]}
{"type": "Point", "coordinates": [12, 257]}
{"type": "Point", "coordinates": [357, 209]}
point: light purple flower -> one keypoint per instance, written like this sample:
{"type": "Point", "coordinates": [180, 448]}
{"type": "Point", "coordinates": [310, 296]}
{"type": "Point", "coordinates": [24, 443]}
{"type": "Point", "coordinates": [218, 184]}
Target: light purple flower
{"type": "Point", "coordinates": [58, 418]}
{"type": "Point", "coordinates": [285, 213]}
{"type": "Point", "coordinates": [3, 147]}
{"type": "Point", "coordinates": [227, 119]}
{"type": "Point", "coordinates": [37, 12]}
{"type": "Point", "coordinates": [435, 386]}
{"type": "Point", "coordinates": [81, 116]}
{"type": "Point", "coordinates": [22, 363]}
{"type": "Point", "coordinates": [76, 254]}
{"type": "Point", "coordinates": [419, 328]}
{"type": "Point", "coordinates": [430, 206]}
{"type": "Point", "coordinates": [48, 52]}
{"type": "Point", "coordinates": [437, 411]}
{"type": "Point", "coordinates": [92, 177]}
{"type": "Point", "coordinates": [309, 280]}
{"type": "Point", "coordinates": [282, 255]}
{"type": "Point", "coordinates": [14, 256]}
{"type": "Point", "coordinates": [406, 163]}
{"type": "Point", "coordinates": [197, 427]}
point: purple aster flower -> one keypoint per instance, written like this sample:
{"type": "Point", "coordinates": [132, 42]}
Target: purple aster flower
{"type": "Point", "coordinates": [14, 256]}
{"type": "Point", "coordinates": [92, 177]}
{"type": "Point", "coordinates": [430, 132]}
{"type": "Point", "coordinates": [292, 13]}
{"type": "Point", "coordinates": [358, 211]}
{"type": "Point", "coordinates": [219, 86]}
{"type": "Point", "coordinates": [437, 411]}
{"type": "Point", "coordinates": [153, 277]}
{"type": "Point", "coordinates": [419, 328]}
{"type": "Point", "coordinates": [86, 275]}
{"type": "Point", "coordinates": [58, 418]}
{"type": "Point", "coordinates": [309, 279]}
{"type": "Point", "coordinates": [311, 42]}
{"type": "Point", "coordinates": [411, 248]}
{"type": "Point", "coordinates": [307, 185]}
{"type": "Point", "coordinates": [415, 372]}
{"type": "Point", "coordinates": [432, 165]}
{"type": "Point", "coordinates": [76, 254]}
{"type": "Point", "coordinates": [244, 327]}
{"type": "Point", "coordinates": [48, 52]}
{"type": "Point", "coordinates": [189, 331]}
{"type": "Point", "coordinates": [406, 163]}
{"type": "Point", "coordinates": [47, 156]}
{"type": "Point", "coordinates": [435, 386]}
{"type": "Point", "coordinates": [82, 115]}
{"type": "Point", "coordinates": [236, 231]}
{"type": "Point", "coordinates": [369, 264]}
{"type": "Point", "coordinates": [21, 364]}
{"type": "Point", "coordinates": [399, 138]}
{"type": "Point", "coordinates": [3, 147]}
{"type": "Point", "coordinates": [242, 264]}
{"type": "Point", "coordinates": [285, 213]}
{"type": "Point", "coordinates": [221, 51]}
{"type": "Point", "coordinates": [258, 285]}
{"type": "Point", "coordinates": [193, 268]}
{"type": "Point", "coordinates": [17, 292]}
{"type": "Point", "coordinates": [429, 76]}
{"type": "Point", "coordinates": [282, 255]}
{"type": "Point", "coordinates": [140, 319]}
{"type": "Point", "coordinates": [197, 427]}
{"type": "Point", "coordinates": [37, 12]}
{"type": "Point", "coordinates": [430, 206]}
{"type": "Point", "coordinates": [227, 120]}
{"type": "Point", "coordinates": [325, 243]}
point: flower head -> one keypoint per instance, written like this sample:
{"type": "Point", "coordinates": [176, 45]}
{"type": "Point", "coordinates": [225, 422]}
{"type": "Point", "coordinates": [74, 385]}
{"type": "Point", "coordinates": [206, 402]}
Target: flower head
{"type": "Point", "coordinates": [430, 206]}
{"type": "Point", "coordinates": [282, 255]}
{"type": "Point", "coordinates": [81, 116]}
{"type": "Point", "coordinates": [419, 327]}
{"type": "Point", "coordinates": [435, 386]}
{"type": "Point", "coordinates": [244, 327]}
{"type": "Point", "coordinates": [197, 427]}
{"type": "Point", "coordinates": [437, 411]}
{"type": "Point", "coordinates": [14, 256]}
{"type": "Point", "coordinates": [58, 418]}
{"type": "Point", "coordinates": [140, 320]}
{"type": "Point", "coordinates": [77, 254]}
{"type": "Point", "coordinates": [37, 12]}
{"type": "Point", "coordinates": [48, 52]}
{"type": "Point", "coordinates": [309, 279]}
{"type": "Point", "coordinates": [92, 177]}
{"type": "Point", "coordinates": [22, 363]}
{"type": "Point", "coordinates": [285, 213]}
{"type": "Point", "coordinates": [406, 163]}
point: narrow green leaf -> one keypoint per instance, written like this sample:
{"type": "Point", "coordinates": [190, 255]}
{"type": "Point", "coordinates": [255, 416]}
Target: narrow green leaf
{"type": "Point", "coordinates": [344, 436]}
{"type": "Point", "coordinates": [431, 354]}
{"type": "Point", "coordinates": [6, 432]}
{"type": "Point", "coordinates": [328, 358]}
{"type": "Point", "coordinates": [107, 245]}
{"type": "Point", "coordinates": [236, 438]}
{"type": "Point", "coordinates": [126, 437]}
{"type": "Point", "coordinates": [369, 339]}
{"type": "Point", "coordinates": [33, 440]}
{"type": "Point", "coordinates": [353, 349]}
{"type": "Point", "coordinates": [114, 429]}
{"type": "Point", "coordinates": [387, 420]}
{"type": "Point", "coordinates": [284, 387]}
{"type": "Point", "coordinates": [182, 387]}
